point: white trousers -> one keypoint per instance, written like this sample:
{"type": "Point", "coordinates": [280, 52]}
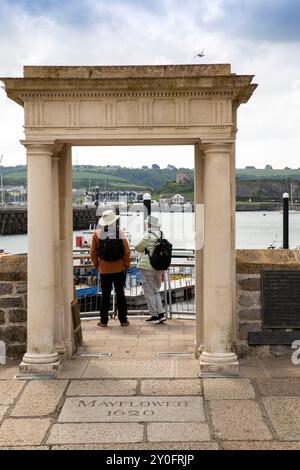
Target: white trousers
{"type": "Point", "coordinates": [151, 281]}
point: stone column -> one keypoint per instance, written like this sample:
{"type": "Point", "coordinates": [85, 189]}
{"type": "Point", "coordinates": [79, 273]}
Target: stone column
{"type": "Point", "coordinates": [218, 358]}
{"type": "Point", "coordinates": [41, 355]}
{"type": "Point", "coordinates": [199, 239]}
{"type": "Point", "coordinates": [66, 243]}
{"type": "Point", "coordinates": [59, 313]}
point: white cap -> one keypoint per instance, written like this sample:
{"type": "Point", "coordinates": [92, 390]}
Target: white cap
{"type": "Point", "coordinates": [146, 196]}
{"type": "Point", "coordinates": [285, 195]}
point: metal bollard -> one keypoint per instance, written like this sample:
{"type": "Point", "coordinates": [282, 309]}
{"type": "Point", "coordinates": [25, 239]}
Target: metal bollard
{"type": "Point", "coordinates": [285, 198]}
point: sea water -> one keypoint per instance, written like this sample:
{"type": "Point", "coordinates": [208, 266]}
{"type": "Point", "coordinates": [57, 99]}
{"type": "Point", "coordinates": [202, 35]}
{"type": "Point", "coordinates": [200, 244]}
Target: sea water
{"type": "Point", "coordinates": [253, 230]}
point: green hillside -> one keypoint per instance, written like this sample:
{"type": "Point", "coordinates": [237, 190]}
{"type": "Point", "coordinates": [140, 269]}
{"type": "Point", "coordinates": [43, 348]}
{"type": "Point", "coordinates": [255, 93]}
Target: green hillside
{"type": "Point", "coordinates": [109, 177]}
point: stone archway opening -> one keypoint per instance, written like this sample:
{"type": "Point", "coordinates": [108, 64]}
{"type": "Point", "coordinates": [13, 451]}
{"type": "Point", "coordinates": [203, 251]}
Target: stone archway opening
{"type": "Point", "coordinates": [129, 105]}
{"type": "Point", "coordinates": [176, 337]}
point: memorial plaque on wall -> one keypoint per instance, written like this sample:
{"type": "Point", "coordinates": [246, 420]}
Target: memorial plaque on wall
{"type": "Point", "coordinates": [281, 299]}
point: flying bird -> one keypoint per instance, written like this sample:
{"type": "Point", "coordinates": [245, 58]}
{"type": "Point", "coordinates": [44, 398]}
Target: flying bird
{"type": "Point", "coordinates": [201, 54]}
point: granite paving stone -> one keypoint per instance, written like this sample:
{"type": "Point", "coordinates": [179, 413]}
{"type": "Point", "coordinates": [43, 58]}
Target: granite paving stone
{"type": "Point", "coordinates": [238, 420]}
{"type": "Point", "coordinates": [73, 369]}
{"type": "Point", "coordinates": [9, 390]}
{"type": "Point", "coordinates": [8, 372]}
{"type": "Point", "coordinates": [227, 389]}
{"type": "Point", "coordinates": [142, 446]}
{"type": "Point", "coordinates": [102, 387]}
{"type": "Point", "coordinates": [172, 432]}
{"type": "Point", "coordinates": [25, 448]}
{"type": "Point", "coordinates": [129, 409]}
{"type": "Point", "coordinates": [129, 368]}
{"type": "Point", "coordinates": [284, 413]}
{"type": "Point", "coordinates": [3, 411]}
{"type": "Point", "coordinates": [40, 398]}
{"type": "Point", "coordinates": [252, 368]}
{"type": "Point", "coordinates": [92, 433]}
{"type": "Point", "coordinates": [276, 387]}
{"type": "Point", "coordinates": [23, 432]}
{"type": "Point", "coordinates": [172, 387]}
{"type": "Point", "coordinates": [260, 445]}
{"type": "Point", "coordinates": [281, 367]}
{"type": "Point", "coordinates": [187, 367]}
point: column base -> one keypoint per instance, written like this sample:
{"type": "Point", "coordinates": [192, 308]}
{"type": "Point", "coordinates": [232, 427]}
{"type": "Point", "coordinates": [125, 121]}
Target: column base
{"type": "Point", "coordinates": [219, 365]}
{"type": "Point", "coordinates": [40, 363]}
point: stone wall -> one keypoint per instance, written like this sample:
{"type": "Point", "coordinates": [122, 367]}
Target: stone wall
{"type": "Point", "coordinates": [13, 220]}
{"type": "Point", "coordinates": [13, 304]}
{"type": "Point", "coordinates": [249, 266]}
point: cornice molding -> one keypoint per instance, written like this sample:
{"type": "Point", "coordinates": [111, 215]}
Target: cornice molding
{"type": "Point", "coordinates": [62, 95]}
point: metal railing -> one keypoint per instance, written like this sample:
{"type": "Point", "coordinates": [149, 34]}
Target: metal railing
{"type": "Point", "coordinates": [177, 288]}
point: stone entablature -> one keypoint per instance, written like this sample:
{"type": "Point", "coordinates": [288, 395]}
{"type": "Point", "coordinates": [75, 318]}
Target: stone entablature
{"type": "Point", "coordinates": [145, 99]}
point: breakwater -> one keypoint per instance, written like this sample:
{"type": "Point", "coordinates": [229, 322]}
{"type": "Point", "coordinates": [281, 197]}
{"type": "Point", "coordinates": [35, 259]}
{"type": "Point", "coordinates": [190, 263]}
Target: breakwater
{"type": "Point", "coordinates": [13, 220]}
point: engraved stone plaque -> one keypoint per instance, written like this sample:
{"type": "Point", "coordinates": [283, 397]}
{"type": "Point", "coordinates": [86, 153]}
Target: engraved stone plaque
{"type": "Point", "coordinates": [128, 409]}
{"type": "Point", "coordinates": [281, 299]}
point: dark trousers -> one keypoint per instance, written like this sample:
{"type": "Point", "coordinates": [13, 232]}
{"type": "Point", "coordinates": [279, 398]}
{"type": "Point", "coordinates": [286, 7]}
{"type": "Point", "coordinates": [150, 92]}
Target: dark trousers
{"type": "Point", "coordinates": [118, 280]}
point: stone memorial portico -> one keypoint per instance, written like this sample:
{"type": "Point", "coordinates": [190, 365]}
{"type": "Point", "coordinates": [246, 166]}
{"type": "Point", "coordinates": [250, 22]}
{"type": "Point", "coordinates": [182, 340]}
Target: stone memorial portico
{"type": "Point", "coordinates": [129, 105]}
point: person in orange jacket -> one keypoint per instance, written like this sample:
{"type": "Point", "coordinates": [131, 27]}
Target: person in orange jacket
{"type": "Point", "coordinates": [110, 255]}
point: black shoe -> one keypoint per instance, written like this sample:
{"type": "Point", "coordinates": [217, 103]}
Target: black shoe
{"type": "Point", "coordinates": [124, 323]}
{"type": "Point", "coordinates": [153, 320]}
{"type": "Point", "coordinates": [161, 317]}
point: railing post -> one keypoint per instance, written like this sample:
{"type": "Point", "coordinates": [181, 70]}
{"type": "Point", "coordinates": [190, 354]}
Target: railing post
{"type": "Point", "coordinates": [285, 198]}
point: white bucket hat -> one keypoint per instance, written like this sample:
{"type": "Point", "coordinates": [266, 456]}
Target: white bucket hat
{"type": "Point", "coordinates": [153, 221]}
{"type": "Point", "coordinates": [108, 218]}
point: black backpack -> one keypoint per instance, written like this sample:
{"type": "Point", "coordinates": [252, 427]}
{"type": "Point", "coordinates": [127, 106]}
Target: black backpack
{"type": "Point", "coordinates": [111, 249]}
{"type": "Point", "coordinates": [162, 254]}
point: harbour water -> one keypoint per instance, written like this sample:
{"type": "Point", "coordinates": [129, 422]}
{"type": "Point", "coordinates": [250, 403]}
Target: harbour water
{"type": "Point", "coordinates": [253, 230]}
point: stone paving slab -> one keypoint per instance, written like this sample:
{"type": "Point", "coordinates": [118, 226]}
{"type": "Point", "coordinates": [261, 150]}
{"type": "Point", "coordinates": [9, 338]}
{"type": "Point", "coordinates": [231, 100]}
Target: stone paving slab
{"type": "Point", "coordinates": [3, 411]}
{"type": "Point", "coordinates": [73, 369]}
{"type": "Point", "coordinates": [189, 367]}
{"type": "Point", "coordinates": [7, 372]}
{"type": "Point", "coordinates": [172, 387]}
{"type": "Point", "coordinates": [40, 398]}
{"type": "Point", "coordinates": [133, 409]}
{"type": "Point", "coordinates": [93, 433]}
{"type": "Point", "coordinates": [252, 368]}
{"type": "Point", "coordinates": [239, 420]}
{"type": "Point", "coordinates": [172, 432]}
{"type": "Point", "coordinates": [9, 390]}
{"type": "Point", "coordinates": [221, 389]}
{"type": "Point", "coordinates": [284, 414]}
{"type": "Point", "coordinates": [142, 446]}
{"type": "Point", "coordinates": [94, 387]}
{"type": "Point", "coordinates": [281, 367]}
{"type": "Point", "coordinates": [276, 387]}
{"type": "Point", "coordinates": [129, 368]}
{"type": "Point", "coordinates": [23, 432]}
{"type": "Point", "coordinates": [25, 448]}
{"type": "Point", "coordinates": [260, 445]}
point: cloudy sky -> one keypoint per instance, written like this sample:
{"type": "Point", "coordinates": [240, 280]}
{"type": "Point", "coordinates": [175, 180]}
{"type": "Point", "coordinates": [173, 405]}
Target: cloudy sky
{"type": "Point", "coordinates": [260, 37]}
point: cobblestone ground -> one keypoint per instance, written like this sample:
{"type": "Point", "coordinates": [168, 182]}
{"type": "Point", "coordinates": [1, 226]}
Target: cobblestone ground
{"type": "Point", "coordinates": [141, 400]}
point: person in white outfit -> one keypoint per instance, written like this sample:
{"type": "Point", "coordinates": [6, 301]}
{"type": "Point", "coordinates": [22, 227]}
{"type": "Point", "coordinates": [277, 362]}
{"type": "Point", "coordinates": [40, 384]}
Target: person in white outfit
{"type": "Point", "coordinates": [151, 278]}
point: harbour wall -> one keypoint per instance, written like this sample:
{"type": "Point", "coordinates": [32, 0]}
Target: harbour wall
{"type": "Point", "coordinates": [13, 220]}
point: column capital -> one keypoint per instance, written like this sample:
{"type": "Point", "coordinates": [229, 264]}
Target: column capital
{"type": "Point", "coordinates": [216, 147]}
{"type": "Point", "coordinates": [44, 147]}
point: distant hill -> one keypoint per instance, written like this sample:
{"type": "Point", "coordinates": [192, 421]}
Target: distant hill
{"type": "Point", "coordinates": [109, 177]}
{"type": "Point", "coordinates": [255, 174]}
{"type": "Point", "coordinates": [257, 184]}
